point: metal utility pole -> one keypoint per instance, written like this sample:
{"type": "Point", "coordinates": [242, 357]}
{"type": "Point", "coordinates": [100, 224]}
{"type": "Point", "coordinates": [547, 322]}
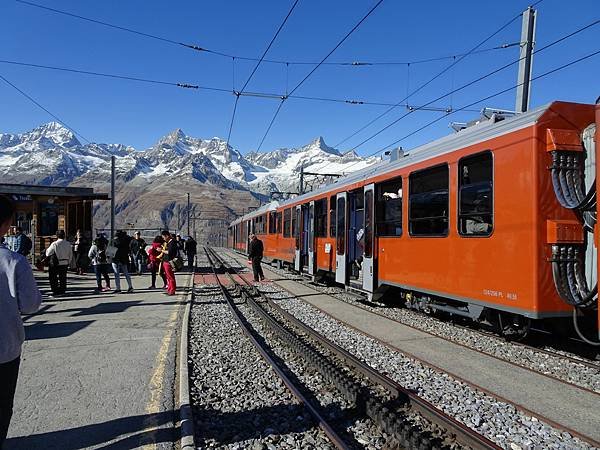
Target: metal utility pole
{"type": "Point", "coordinates": [301, 190]}
{"type": "Point", "coordinates": [526, 59]}
{"type": "Point", "coordinates": [112, 198]}
{"type": "Point", "coordinates": [188, 213]}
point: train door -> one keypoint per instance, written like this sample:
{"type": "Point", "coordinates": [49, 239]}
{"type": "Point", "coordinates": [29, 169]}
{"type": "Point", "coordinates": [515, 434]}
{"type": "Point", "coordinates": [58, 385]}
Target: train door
{"type": "Point", "coordinates": [340, 240]}
{"type": "Point", "coordinates": [250, 230]}
{"type": "Point", "coordinates": [297, 235]}
{"type": "Point", "coordinates": [355, 237]}
{"type": "Point", "coordinates": [368, 263]}
{"type": "Point", "coordinates": [311, 238]}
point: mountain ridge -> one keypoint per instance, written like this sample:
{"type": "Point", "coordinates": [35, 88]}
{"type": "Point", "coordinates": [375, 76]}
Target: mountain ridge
{"type": "Point", "coordinates": [51, 154]}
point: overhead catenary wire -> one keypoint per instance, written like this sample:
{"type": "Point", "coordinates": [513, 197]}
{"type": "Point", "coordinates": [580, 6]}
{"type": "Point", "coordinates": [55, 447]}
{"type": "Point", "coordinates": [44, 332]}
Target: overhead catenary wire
{"type": "Point", "coordinates": [115, 76]}
{"type": "Point", "coordinates": [354, 63]}
{"type": "Point", "coordinates": [481, 78]}
{"type": "Point", "coordinates": [431, 80]}
{"type": "Point", "coordinates": [42, 107]}
{"type": "Point", "coordinates": [354, 28]}
{"type": "Point", "coordinates": [496, 94]}
{"type": "Point", "coordinates": [241, 91]}
{"type": "Point", "coordinates": [488, 97]}
{"type": "Point", "coordinates": [267, 95]}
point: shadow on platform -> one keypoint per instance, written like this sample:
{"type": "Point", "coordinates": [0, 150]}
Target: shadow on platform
{"type": "Point", "coordinates": [43, 330]}
{"type": "Point", "coordinates": [140, 430]}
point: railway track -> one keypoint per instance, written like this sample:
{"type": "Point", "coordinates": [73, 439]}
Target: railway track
{"type": "Point", "coordinates": [398, 413]}
{"type": "Point", "coordinates": [395, 314]}
{"type": "Point", "coordinates": [582, 427]}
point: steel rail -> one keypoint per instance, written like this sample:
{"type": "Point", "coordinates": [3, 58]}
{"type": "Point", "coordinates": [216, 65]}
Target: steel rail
{"type": "Point", "coordinates": [576, 359]}
{"type": "Point", "coordinates": [462, 433]}
{"type": "Point", "coordinates": [323, 424]}
{"type": "Point", "coordinates": [461, 379]}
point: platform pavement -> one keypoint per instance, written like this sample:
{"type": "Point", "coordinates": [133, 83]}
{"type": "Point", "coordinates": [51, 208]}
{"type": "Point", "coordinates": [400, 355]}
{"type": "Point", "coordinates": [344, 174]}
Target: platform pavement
{"type": "Point", "coordinates": [98, 370]}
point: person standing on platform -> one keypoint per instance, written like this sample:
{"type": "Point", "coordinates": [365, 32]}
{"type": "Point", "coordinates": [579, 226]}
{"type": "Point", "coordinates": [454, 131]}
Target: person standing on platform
{"type": "Point", "coordinates": [138, 252]}
{"type": "Point", "coordinates": [60, 253]}
{"type": "Point", "coordinates": [255, 255]}
{"type": "Point", "coordinates": [121, 261]}
{"type": "Point", "coordinates": [99, 258]}
{"type": "Point", "coordinates": [80, 251]}
{"type": "Point", "coordinates": [180, 243]}
{"type": "Point", "coordinates": [21, 243]}
{"type": "Point", "coordinates": [169, 254]}
{"type": "Point", "coordinates": [191, 248]}
{"type": "Point", "coordinates": [155, 255]}
{"type": "Point", "coordinates": [19, 295]}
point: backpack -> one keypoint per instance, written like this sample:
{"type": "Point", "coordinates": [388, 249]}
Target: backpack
{"type": "Point", "coordinates": [26, 245]}
{"type": "Point", "coordinates": [101, 254]}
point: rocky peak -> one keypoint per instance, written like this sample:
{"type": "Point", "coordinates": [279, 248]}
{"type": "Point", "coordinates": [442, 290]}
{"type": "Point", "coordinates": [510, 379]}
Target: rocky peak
{"type": "Point", "coordinates": [172, 138]}
{"type": "Point", "coordinates": [52, 133]}
{"type": "Point", "coordinates": [319, 144]}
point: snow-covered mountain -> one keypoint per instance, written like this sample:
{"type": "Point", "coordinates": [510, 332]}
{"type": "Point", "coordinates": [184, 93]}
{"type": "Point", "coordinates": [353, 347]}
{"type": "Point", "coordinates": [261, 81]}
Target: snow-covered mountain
{"type": "Point", "coordinates": [52, 154]}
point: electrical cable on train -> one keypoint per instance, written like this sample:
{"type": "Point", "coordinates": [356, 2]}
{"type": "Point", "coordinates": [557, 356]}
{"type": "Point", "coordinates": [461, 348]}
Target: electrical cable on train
{"type": "Point", "coordinates": [495, 223]}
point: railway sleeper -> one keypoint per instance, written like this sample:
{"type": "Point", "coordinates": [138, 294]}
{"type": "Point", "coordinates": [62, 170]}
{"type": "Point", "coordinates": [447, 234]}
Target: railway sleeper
{"type": "Point", "coordinates": [390, 421]}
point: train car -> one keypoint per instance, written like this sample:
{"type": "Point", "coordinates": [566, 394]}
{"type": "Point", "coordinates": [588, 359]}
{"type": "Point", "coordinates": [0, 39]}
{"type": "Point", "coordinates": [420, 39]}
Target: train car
{"type": "Point", "coordinates": [493, 223]}
{"type": "Point", "coordinates": [262, 222]}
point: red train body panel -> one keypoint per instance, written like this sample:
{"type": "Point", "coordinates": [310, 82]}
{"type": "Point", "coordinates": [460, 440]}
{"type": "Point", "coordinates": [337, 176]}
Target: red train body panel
{"type": "Point", "coordinates": [470, 218]}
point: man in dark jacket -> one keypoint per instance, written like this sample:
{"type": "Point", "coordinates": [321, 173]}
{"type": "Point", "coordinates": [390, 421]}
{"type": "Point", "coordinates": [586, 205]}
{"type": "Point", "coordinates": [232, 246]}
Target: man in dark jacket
{"type": "Point", "coordinates": [190, 251]}
{"type": "Point", "coordinates": [255, 255]}
{"type": "Point", "coordinates": [22, 243]}
{"type": "Point", "coordinates": [137, 246]}
{"type": "Point", "coordinates": [121, 260]}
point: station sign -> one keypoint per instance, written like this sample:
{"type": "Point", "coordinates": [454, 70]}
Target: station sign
{"type": "Point", "coordinates": [21, 197]}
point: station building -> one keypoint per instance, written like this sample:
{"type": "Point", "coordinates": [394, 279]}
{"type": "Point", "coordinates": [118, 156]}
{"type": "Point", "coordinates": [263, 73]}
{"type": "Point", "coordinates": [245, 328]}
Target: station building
{"type": "Point", "coordinates": [42, 210]}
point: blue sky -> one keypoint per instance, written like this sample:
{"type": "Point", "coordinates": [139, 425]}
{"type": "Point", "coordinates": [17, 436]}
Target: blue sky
{"type": "Point", "coordinates": [137, 114]}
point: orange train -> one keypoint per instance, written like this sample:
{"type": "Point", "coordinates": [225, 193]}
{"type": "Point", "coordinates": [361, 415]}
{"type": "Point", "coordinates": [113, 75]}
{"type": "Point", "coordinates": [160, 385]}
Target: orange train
{"type": "Point", "coordinates": [495, 222]}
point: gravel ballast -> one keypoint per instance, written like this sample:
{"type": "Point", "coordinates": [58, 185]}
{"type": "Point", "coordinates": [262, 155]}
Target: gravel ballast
{"type": "Point", "coordinates": [553, 365]}
{"type": "Point", "coordinates": [238, 401]}
{"type": "Point", "coordinates": [498, 421]}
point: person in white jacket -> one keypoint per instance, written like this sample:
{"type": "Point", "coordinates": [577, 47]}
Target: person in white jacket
{"type": "Point", "coordinates": [60, 254]}
{"type": "Point", "coordinates": [19, 294]}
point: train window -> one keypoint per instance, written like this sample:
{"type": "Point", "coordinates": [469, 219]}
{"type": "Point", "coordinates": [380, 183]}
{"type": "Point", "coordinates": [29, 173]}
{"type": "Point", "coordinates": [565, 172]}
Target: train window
{"type": "Point", "coordinates": [279, 221]}
{"type": "Point", "coordinates": [287, 214]}
{"type": "Point", "coordinates": [389, 208]}
{"type": "Point", "coordinates": [332, 216]}
{"type": "Point", "coordinates": [369, 224]}
{"type": "Point", "coordinates": [475, 195]}
{"type": "Point", "coordinates": [321, 218]}
{"type": "Point", "coordinates": [259, 224]}
{"type": "Point", "coordinates": [294, 223]}
{"type": "Point", "coordinates": [428, 202]}
{"type": "Point", "coordinates": [341, 226]}
{"type": "Point", "coordinates": [272, 223]}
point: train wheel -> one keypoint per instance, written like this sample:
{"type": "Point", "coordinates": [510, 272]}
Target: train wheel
{"type": "Point", "coordinates": [513, 327]}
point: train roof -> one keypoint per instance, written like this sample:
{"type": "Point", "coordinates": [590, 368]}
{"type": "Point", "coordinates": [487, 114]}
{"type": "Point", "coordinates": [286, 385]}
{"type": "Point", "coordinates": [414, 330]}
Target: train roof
{"type": "Point", "coordinates": [272, 206]}
{"type": "Point", "coordinates": [480, 132]}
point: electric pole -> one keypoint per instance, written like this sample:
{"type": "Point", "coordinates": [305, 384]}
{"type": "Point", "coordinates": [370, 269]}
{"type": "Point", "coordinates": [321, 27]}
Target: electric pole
{"type": "Point", "coordinates": [112, 198]}
{"type": "Point", "coordinates": [301, 190]}
{"type": "Point", "coordinates": [526, 59]}
{"type": "Point", "coordinates": [188, 213]}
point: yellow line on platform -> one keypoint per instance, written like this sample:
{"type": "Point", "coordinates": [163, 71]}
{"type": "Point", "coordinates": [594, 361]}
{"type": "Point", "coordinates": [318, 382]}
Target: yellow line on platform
{"type": "Point", "coordinates": [157, 381]}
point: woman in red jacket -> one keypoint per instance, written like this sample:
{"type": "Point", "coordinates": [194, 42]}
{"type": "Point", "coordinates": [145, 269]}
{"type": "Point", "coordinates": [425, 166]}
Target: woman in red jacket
{"type": "Point", "coordinates": [155, 255]}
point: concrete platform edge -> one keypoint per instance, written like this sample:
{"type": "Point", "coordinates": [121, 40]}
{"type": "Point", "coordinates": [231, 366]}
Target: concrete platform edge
{"type": "Point", "coordinates": [186, 421]}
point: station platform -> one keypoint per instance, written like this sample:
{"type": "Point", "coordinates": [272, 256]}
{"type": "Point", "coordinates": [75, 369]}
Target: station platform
{"type": "Point", "coordinates": [97, 370]}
